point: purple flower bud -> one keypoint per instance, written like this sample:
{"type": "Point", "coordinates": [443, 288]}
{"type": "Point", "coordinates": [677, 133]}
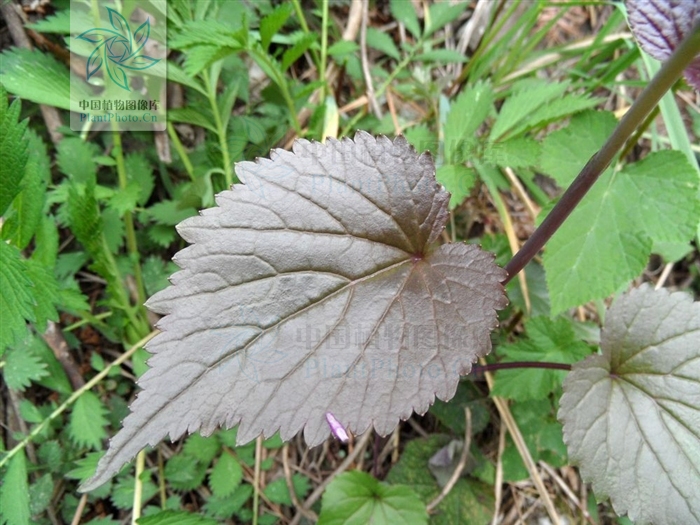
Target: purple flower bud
{"type": "Point", "coordinates": [337, 428]}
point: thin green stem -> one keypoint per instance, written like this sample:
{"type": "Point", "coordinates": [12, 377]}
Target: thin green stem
{"type": "Point", "coordinates": [131, 245]}
{"type": "Point", "coordinates": [220, 130]}
{"type": "Point", "coordinates": [180, 150]}
{"type": "Point", "coordinates": [88, 318]}
{"type": "Point", "coordinates": [74, 397]}
{"type": "Point", "coordinates": [305, 28]}
{"type": "Point", "coordinates": [645, 104]}
{"type": "Point", "coordinates": [324, 49]}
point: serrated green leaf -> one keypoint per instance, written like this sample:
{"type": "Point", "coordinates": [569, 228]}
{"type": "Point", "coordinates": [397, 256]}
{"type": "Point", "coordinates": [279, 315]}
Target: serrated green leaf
{"type": "Point", "coordinates": [50, 455]}
{"type": "Point", "coordinates": [28, 206]}
{"type": "Point", "coordinates": [554, 110]}
{"type": "Point", "coordinates": [225, 507]}
{"type": "Point", "coordinates": [44, 292]}
{"type": "Point", "coordinates": [155, 275]}
{"type": "Point", "coordinates": [466, 114]}
{"type": "Point", "coordinates": [16, 299]}
{"type": "Point", "coordinates": [38, 77]}
{"type": "Point", "coordinates": [469, 501]}
{"type": "Point", "coordinates": [360, 496]}
{"type": "Point", "coordinates": [57, 23]}
{"type": "Point", "coordinates": [442, 13]}
{"type": "Point", "coordinates": [565, 152]}
{"type": "Point", "coordinates": [278, 491]}
{"type": "Point", "coordinates": [87, 421]}
{"type": "Point", "coordinates": [404, 12]}
{"type": "Point", "coordinates": [175, 517]}
{"type": "Point", "coordinates": [40, 494]}
{"type": "Point", "coordinates": [123, 492]}
{"type": "Point", "coordinates": [528, 97]}
{"type": "Point", "coordinates": [14, 492]}
{"type": "Point", "coordinates": [13, 150]}
{"type": "Point", "coordinates": [140, 171]}
{"type": "Point", "coordinates": [547, 340]}
{"type": "Point", "coordinates": [422, 139]}
{"type": "Point", "coordinates": [451, 414]}
{"type": "Point", "coordinates": [272, 23]}
{"type": "Point", "coordinates": [226, 475]}
{"type": "Point", "coordinates": [85, 466]}
{"type": "Point", "coordinates": [203, 448]}
{"type": "Point", "coordinates": [518, 152]}
{"type": "Point", "coordinates": [191, 116]}
{"type": "Point", "coordinates": [301, 44]}
{"type": "Point", "coordinates": [125, 199]}
{"type": "Point", "coordinates": [458, 180]}
{"type": "Point", "coordinates": [185, 472]}
{"type": "Point", "coordinates": [76, 159]}
{"type": "Point", "coordinates": [169, 213]}
{"type": "Point", "coordinates": [22, 367]}
{"type": "Point", "coordinates": [608, 238]}
{"type": "Point", "coordinates": [631, 414]}
{"type": "Point", "coordinates": [382, 42]}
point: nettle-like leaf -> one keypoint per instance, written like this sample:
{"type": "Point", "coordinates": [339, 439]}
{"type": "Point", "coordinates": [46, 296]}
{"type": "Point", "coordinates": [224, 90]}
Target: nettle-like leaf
{"type": "Point", "coordinates": [632, 415]}
{"type": "Point", "coordinates": [659, 27]}
{"type": "Point", "coordinates": [314, 288]}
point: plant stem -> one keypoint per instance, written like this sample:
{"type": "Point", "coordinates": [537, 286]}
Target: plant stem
{"type": "Point", "coordinates": [492, 367]}
{"type": "Point", "coordinates": [220, 131]}
{"type": "Point", "coordinates": [180, 150]}
{"type": "Point", "coordinates": [659, 85]}
{"type": "Point", "coordinates": [324, 50]}
{"type": "Point", "coordinates": [131, 245]}
{"type": "Point", "coordinates": [74, 397]}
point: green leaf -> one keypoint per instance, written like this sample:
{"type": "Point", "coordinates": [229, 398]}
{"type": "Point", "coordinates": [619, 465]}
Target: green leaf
{"type": "Point", "coordinates": [458, 180]}
{"type": "Point", "coordinates": [191, 116]}
{"type": "Point", "coordinates": [38, 77]}
{"type": "Point", "coordinates": [382, 42]}
{"type": "Point", "coordinates": [555, 110]}
{"type": "Point", "coordinates": [442, 13]}
{"type": "Point", "coordinates": [565, 152]}
{"type": "Point", "coordinates": [76, 158]}
{"type": "Point", "coordinates": [28, 207]}
{"type": "Point", "coordinates": [547, 340]}
{"type": "Point", "coordinates": [302, 43]}
{"type": "Point", "coordinates": [125, 199]}
{"type": "Point", "coordinates": [85, 466]}
{"type": "Point", "coordinates": [45, 293]}
{"type": "Point", "coordinates": [468, 502]}
{"type": "Point", "coordinates": [14, 492]}
{"type": "Point", "coordinates": [88, 421]}
{"type": "Point", "coordinates": [140, 172]}
{"type": "Point", "coordinates": [466, 114]}
{"type": "Point", "coordinates": [272, 23]}
{"type": "Point", "coordinates": [13, 151]}
{"type": "Point", "coordinates": [16, 299]}
{"type": "Point", "coordinates": [528, 96]}
{"type": "Point", "coordinates": [225, 507]}
{"type": "Point", "coordinates": [155, 276]}
{"type": "Point", "coordinates": [518, 152]}
{"type": "Point", "coordinates": [22, 367]}
{"type": "Point", "coordinates": [422, 139]}
{"type": "Point", "coordinates": [441, 55]}
{"type": "Point", "coordinates": [175, 517]}
{"type": "Point", "coordinates": [405, 13]}
{"type": "Point", "coordinates": [123, 492]}
{"type": "Point", "coordinates": [203, 448]}
{"type": "Point", "coordinates": [608, 238]}
{"type": "Point", "coordinates": [226, 475]}
{"type": "Point", "coordinates": [185, 472]}
{"type": "Point", "coordinates": [169, 213]}
{"type": "Point", "coordinates": [357, 498]}
{"type": "Point", "coordinates": [451, 414]}
{"type": "Point", "coordinates": [631, 416]}
{"type": "Point", "coordinates": [58, 23]}
{"type": "Point", "coordinates": [50, 455]}
{"type": "Point", "coordinates": [278, 491]}
{"type": "Point", "coordinates": [40, 494]}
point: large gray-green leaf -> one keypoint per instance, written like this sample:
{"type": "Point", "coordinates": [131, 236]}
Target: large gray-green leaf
{"type": "Point", "coordinates": [632, 415]}
{"type": "Point", "coordinates": [314, 288]}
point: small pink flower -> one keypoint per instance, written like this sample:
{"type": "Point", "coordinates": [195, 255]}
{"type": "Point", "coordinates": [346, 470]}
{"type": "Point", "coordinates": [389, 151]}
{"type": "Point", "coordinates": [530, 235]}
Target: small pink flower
{"type": "Point", "coordinates": [337, 428]}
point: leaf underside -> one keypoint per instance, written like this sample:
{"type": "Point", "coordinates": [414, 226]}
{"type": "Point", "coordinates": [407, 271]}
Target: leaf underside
{"type": "Point", "coordinates": [632, 415]}
{"type": "Point", "coordinates": [660, 25]}
{"type": "Point", "coordinates": [314, 287]}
